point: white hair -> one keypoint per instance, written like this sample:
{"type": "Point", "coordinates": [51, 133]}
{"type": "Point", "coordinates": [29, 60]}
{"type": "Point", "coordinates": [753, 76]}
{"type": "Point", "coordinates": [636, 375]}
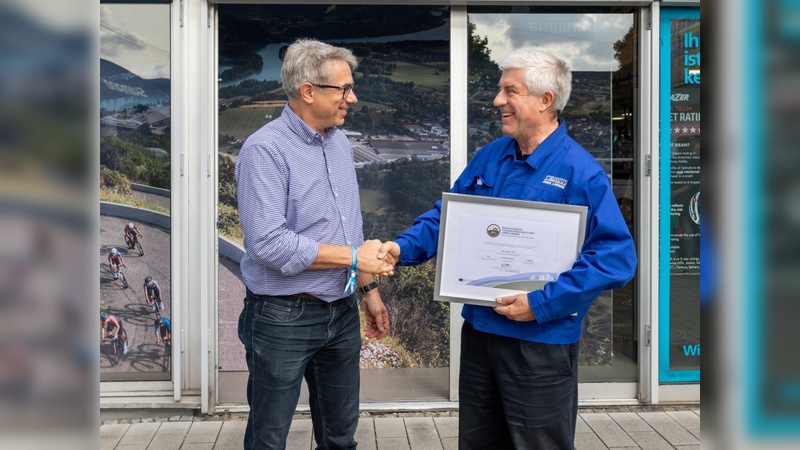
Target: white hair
{"type": "Point", "coordinates": [543, 72]}
{"type": "Point", "coordinates": [305, 60]}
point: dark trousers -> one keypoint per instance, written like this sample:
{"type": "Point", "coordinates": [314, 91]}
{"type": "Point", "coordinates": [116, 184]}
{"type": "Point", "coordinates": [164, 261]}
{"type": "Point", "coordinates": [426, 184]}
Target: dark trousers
{"type": "Point", "coordinates": [515, 394]}
{"type": "Point", "coordinates": [287, 339]}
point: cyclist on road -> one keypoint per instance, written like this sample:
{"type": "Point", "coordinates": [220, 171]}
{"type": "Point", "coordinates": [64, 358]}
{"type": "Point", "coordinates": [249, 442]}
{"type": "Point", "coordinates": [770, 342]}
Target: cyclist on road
{"type": "Point", "coordinates": [163, 330]}
{"type": "Point", "coordinates": [152, 293]}
{"type": "Point", "coordinates": [115, 261]}
{"type": "Point", "coordinates": [111, 326]}
{"type": "Point", "coordinates": [131, 231]}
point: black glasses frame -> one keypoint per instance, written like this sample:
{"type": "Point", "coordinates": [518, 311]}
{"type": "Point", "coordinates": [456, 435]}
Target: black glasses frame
{"type": "Point", "coordinates": [344, 88]}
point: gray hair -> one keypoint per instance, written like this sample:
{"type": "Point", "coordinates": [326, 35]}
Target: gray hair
{"type": "Point", "coordinates": [305, 60]}
{"type": "Point", "coordinates": [543, 72]}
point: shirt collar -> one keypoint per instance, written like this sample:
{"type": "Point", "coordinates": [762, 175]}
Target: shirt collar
{"type": "Point", "coordinates": [546, 148]}
{"type": "Point", "coordinates": [300, 128]}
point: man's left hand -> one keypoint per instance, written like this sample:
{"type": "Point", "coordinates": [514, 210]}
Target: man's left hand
{"type": "Point", "coordinates": [515, 308]}
{"type": "Point", "coordinates": [375, 315]}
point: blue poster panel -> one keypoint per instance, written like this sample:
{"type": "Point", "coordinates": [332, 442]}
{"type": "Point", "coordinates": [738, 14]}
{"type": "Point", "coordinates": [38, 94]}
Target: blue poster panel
{"type": "Point", "coordinates": [679, 351]}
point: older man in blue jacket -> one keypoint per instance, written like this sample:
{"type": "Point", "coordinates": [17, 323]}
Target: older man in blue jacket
{"type": "Point", "coordinates": [518, 385]}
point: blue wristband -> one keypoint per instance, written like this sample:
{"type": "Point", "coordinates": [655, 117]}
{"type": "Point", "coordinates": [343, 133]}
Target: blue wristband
{"type": "Point", "coordinates": [350, 287]}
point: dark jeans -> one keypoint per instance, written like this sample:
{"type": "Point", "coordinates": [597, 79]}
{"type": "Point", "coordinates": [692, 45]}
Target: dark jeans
{"type": "Point", "coordinates": [515, 394]}
{"type": "Point", "coordinates": [286, 339]}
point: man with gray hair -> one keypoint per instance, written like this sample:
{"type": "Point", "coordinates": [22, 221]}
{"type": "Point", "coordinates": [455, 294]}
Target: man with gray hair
{"type": "Point", "coordinates": [306, 257]}
{"type": "Point", "coordinates": [518, 382]}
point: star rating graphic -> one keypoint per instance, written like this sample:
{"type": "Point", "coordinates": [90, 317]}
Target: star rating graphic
{"type": "Point", "coordinates": [689, 130]}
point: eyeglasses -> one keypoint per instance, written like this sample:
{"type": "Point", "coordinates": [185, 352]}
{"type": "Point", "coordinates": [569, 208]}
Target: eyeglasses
{"type": "Point", "coordinates": [345, 88]}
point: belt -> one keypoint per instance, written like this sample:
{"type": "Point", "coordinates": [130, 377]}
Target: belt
{"type": "Point", "coordinates": [300, 295]}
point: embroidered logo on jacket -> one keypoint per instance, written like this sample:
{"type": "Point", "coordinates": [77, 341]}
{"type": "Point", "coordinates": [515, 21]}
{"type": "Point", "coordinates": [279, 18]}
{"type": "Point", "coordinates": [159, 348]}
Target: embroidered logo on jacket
{"type": "Point", "coordinates": [555, 181]}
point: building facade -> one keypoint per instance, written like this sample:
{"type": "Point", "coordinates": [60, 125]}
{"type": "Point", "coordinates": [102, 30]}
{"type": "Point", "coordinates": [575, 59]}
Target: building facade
{"type": "Point", "coordinates": [183, 83]}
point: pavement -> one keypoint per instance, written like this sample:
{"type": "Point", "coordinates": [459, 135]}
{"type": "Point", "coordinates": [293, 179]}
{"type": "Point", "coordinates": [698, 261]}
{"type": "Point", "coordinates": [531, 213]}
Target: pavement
{"type": "Point", "coordinates": [598, 429]}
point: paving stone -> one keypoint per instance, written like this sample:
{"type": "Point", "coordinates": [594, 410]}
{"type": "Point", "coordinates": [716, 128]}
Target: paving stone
{"type": "Point", "coordinates": [446, 427]}
{"type": "Point", "coordinates": [393, 443]}
{"type": "Point", "coordinates": [449, 443]}
{"type": "Point", "coordinates": [581, 427]}
{"type": "Point", "coordinates": [365, 434]}
{"type": "Point", "coordinates": [139, 433]}
{"type": "Point", "coordinates": [630, 421]}
{"type": "Point", "coordinates": [422, 433]}
{"type": "Point", "coordinates": [650, 440]}
{"type": "Point", "coordinates": [231, 435]}
{"type": "Point", "coordinates": [588, 441]}
{"type": "Point", "coordinates": [608, 431]}
{"type": "Point", "coordinates": [203, 432]}
{"type": "Point", "coordinates": [170, 435]}
{"type": "Point", "coordinates": [687, 419]}
{"type": "Point", "coordinates": [667, 427]}
{"type": "Point", "coordinates": [390, 427]}
{"type": "Point", "coordinates": [110, 435]}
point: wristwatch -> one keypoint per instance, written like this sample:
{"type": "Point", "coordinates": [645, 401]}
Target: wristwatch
{"type": "Point", "coordinates": [368, 287]}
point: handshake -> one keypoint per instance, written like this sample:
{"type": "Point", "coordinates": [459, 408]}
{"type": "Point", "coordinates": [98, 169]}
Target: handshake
{"type": "Point", "coordinates": [378, 258]}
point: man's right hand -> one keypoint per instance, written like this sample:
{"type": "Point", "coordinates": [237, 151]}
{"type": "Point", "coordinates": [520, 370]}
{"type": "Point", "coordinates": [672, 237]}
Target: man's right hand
{"type": "Point", "coordinates": [369, 262]}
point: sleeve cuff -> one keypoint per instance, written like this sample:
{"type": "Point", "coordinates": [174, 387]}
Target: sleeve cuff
{"type": "Point", "coordinates": [536, 300]}
{"type": "Point", "coordinates": [302, 258]}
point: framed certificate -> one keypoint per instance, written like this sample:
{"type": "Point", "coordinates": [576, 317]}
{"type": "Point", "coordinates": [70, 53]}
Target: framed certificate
{"type": "Point", "coordinates": [492, 247]}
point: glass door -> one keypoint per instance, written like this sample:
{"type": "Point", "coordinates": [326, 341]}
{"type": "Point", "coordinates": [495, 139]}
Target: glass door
{"type": "Point", "coordinates": [399, 132]}
{"type": "Point", "coordinates": [600, 46]}
{"type": "Point", "coordinates": [135, 184]}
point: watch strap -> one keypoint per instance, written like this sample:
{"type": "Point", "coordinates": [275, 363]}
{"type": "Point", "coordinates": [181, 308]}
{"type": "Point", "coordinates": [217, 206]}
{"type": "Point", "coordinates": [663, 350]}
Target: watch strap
{"type": "Point", "coordinates": [368, 287]}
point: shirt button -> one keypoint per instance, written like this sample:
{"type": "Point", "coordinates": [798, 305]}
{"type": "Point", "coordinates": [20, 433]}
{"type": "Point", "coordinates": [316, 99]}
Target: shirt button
{"type": "Point", "coordinates": [335, 194]}
{"type": "Point", "coordinates": [343, 219]}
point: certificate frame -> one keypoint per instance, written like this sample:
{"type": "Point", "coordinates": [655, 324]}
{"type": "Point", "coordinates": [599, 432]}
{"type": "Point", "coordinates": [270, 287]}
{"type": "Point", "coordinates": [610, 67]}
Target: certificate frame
{"type": "Point", "coordinates": [528, 242]}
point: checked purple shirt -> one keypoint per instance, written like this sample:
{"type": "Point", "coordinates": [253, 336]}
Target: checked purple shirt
{"type": "Point", "coordinates": [296, 190]}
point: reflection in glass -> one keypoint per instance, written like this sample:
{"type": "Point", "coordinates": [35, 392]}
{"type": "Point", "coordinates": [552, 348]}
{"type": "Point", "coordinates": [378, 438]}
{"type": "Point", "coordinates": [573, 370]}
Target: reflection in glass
{"type": "Point", "coordinates": [135, 150]}
{"type": "Point", "coordinates": [601, 50]}
{"type": "Point", "coordinates": [399, 132]}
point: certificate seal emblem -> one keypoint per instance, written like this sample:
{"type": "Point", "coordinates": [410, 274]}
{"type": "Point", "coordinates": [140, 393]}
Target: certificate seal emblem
{"type": "Point", "coordinates": [493, 230]}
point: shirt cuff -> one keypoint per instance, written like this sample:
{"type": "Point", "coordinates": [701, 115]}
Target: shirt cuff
{"type": "Point", "coordinates": [301, 259]}
{"type": "Point", "coordinates": [536, 301]}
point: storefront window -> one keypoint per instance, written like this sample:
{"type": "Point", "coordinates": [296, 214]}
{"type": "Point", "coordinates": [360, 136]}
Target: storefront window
{"type": "Point", "coordinates": [600, 46]}
{"type": "Point", "coordinates": [680, 196]}
{"type": "Point", "coordinates": [399, 131]}
{"type": "Point", "coordinates": [135, 154]}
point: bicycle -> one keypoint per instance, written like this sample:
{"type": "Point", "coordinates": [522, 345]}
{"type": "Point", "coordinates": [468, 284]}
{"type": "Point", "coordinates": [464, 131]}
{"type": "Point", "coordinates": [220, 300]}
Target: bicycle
{"type": "Point", "coordinates": [154, 304]}
{"type": "Point", "coordinates": [118, 274]}
{"type": "Point", "coordinates": [133, 243]}
{"type": "Point", "coordinates": [116, 348]}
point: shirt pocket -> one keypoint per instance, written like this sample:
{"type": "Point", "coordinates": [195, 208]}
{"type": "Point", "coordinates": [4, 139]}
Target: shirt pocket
{"type": "Point", "coordinates": [482, 184]}
{"type": "Point", "coordinates": [545, 193]}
